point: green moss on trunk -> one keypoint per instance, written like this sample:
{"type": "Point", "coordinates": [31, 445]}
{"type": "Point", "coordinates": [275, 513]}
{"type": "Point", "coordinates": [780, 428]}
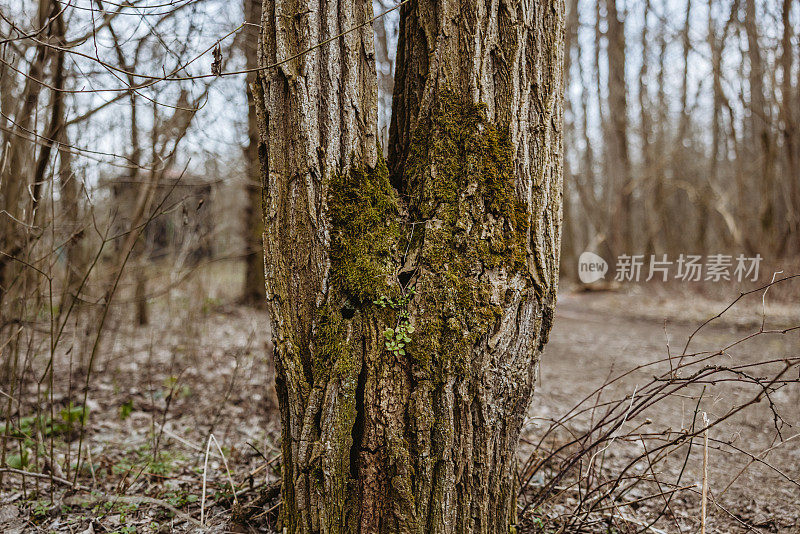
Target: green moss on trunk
{"type": "Point", "coordinates": [363, 209]}
{"type": "Point", "coordinates": [463, 232]}
{"type": "Point", "coordinates": [460, 180]}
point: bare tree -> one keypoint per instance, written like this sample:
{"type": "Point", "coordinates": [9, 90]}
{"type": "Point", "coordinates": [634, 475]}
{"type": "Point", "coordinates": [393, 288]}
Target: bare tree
{"type": "Point", "coordinates": [253, 290]}
{"type": "Point", "coordinates": [17, 211]}
{"type": "Point", "coordinates": [618, 165]}
{"type": "Point", "coordinates": [569, 254]}
{"type": "Point", "coordinates": [761, 140]}
{"type": "Point", "coordinates": [789, 118]}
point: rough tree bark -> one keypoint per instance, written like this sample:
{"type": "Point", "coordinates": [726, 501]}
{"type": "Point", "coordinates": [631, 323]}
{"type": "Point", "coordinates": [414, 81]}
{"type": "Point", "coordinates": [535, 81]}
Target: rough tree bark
{"type": "Point", "coordinates": [410, 305]}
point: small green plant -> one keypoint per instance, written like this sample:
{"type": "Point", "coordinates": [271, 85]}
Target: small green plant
{"type": "Point", "coordinates": [142, 458]}
{"type": "Point", "coordinates": [223, 496]}
{"type": "Point", "coordinates": [125, 409]}
{"type": "Point", "coordinates": [397, 338]}
{"type": "Point", "coordinates": [74, 414]}
{"type": "Point", "coordinates": [40, 509]}
{"type": "Point", "coordinates": [181, 498]}
{"type": "Point", "coordinates": [396, 304]}
{"type": "Point", "coordinates": [31, 425]}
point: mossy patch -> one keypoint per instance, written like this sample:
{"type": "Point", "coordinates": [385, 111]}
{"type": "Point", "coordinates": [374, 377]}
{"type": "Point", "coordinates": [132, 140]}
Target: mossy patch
{"type": "Point", "coordinates": [459, 177]}
{"type": "Point", "coordinates": [363, 213]}
{"type": "Point", "coordinates": [329, 343]}
{"type": "Point", "coordinates": [458, 182]}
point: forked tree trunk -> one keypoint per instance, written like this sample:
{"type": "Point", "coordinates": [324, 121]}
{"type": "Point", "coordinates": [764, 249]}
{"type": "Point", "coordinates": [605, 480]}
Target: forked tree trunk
{"type": "Point", "coordinates": [409, 308]}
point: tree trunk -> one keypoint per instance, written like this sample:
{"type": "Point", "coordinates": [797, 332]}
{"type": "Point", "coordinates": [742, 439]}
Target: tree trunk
{"type": "Point", "coordinates": [607, 186]}
{"type": "Point", "coordinates": [762, 139]}
{"type": "Point", "coordinates": [409, 309]}
{"type": "Point", "coordinates": [571, 222]}
{"type": "Point", "coordinates": [661, 191]}
{"type": "Point", "coordinates": [707, 198]}
{"type": "Point", "coordinates": [684, 173]}
{"type": "Point", "coordinates": [70, 190]}
{"type": "Point", "coordinates": [652, 240]}
{"type": "Point", "coordinates": [69, 186]}
{"type": "Point", "coordinates": [253, 290]}
{"type": "Point", "coordinates": [788, 114]}
{"type": "Point", "coordinates": [619, 161]}
{"type": "Point", "coordinates": [15, 203]}
{"type": "Point", "coordinates": [593, 212]}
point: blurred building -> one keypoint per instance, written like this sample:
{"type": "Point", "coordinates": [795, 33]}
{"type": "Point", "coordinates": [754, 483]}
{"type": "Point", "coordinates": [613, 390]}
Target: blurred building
{"type": "Point", "coordinates": [183, 215]}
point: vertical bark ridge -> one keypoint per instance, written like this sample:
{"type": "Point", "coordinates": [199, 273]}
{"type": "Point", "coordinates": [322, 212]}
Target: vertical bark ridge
{"type": "Point", "coordinates": [477, 110]}
{"type": "Point", "coordinates": [317, 118]}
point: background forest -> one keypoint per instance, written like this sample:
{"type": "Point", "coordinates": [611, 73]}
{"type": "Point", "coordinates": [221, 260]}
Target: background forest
{"type": "Point", "coordinates": [136, 374]}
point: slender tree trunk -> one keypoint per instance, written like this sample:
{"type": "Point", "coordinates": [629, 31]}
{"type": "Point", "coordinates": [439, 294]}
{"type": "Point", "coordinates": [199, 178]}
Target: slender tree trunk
{"type": "Point", "coordinates": [56, 121]}
{"type": "Point", "coordinates": [683, 122]}
{"type": "Point", "coordinates": [762, 141]}
{"type": "Point", "coordinates": [571, 222]}
{"type": "Point", "coordinates": [707, 198]}
{"type": "Point", "coordinates": [661, 190]}
{"type": "Point", "coordinates": [408, 326]}
{"type": "Point", "coordinates": [14, 180]}
{"type": "Point", "coordinates": [70, 189]}
{"type": "Point", "coordinates": [789, 117]}
{"type": "Point", "coordinates": [253, 290]}
{"type": "Point", "coordinates": [609, 191]}
{"type": "Point", "coordinates": [650, 219]}
{"type": "Point", "coordinates": [679, 211]}
{"type": "Point", "coordinates": [593, 211]}
{"type": "Point", "coordinates": [619, 161]}
{"type": "Point", "coordinates": [796, 182]}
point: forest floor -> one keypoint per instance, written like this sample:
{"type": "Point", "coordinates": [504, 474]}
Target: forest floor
{"type": "Point", "coordinates": [159, 392]}
{"type": "Point", "coordinates": [601, 335]}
